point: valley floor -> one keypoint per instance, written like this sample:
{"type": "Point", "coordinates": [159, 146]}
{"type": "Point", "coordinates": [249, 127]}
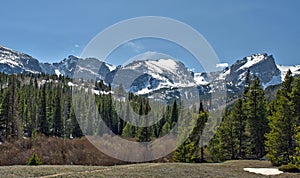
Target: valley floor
{"type": "Point", "coordinates": [226, 169]}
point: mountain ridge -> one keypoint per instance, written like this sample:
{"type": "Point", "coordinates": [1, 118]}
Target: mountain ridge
{"type": "Point", "coordinates": [148, 76]}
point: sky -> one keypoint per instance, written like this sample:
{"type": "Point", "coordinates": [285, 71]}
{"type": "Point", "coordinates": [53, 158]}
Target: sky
{"type": "Point", "coordinates": [50, 30]}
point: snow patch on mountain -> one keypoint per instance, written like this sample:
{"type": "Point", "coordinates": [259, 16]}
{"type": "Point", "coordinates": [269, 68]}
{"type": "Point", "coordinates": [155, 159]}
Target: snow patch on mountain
{"type": "Point", "coordinates": [143, 91]}
{"type": "Point", "coordinates": [200, 79]}
{"type": "Point", "coordinates": [223, 74]}
{"type": "Point", "coordinates": [57, 72]}
{"type": "Point", "coordinates": [294, 69]}
{"type": "Point", "coordinates": [252, 60]}
{"type": "Point", "coordinates": [111, 67]}
{"type": "Point", "coordinates": [167, 64]}
{"type": "Point", "coordinates": [159, 66]}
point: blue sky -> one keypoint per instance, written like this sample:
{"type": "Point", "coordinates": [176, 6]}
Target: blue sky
{"type": "Point", "coordinates": [53, 29]}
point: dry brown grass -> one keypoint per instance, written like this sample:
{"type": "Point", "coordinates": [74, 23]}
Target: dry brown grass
{"type": "Point", "coordinates": [228, 169]}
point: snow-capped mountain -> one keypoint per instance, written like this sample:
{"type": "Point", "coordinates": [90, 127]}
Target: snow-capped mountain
{"type": "Point", "coordinates": [15, 62]}
{"type": "Point", "coordinates": [261, 65]}
{"type": "Point", "coordinates": [90, 67]}
{"type": "Point", "coordinates": [148, 76]}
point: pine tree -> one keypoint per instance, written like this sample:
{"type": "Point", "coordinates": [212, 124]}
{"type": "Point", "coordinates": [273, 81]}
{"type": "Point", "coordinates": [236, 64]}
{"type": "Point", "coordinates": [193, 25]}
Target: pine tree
{"type": "Point", "coordinates": [295, 99]}
{"type": "Point", "coordinates": [121, 119]}
{"type": "Point", "coordinates": [257, 124]}
{"type": "Point", "coordinates": [247, 83]}
{"type": "Point", "coordinates": [5, 120]}
{"type": "Point", "coordinates": [128, 131]}
{"type": "Point", "coordinates": [2, 123]}
{"type": "Point", "coordinates": [15, 124]}
{"type": "Point", "coordinates": [109, 111]}
{"type": "Point", "coordinates": [165, 129]}
{"type": "Point", "coordinates": [34, 160]}
{"type": "Point", "coordinates": [43, 125]}
{"type": "Point", "coordinates": [279, 139]}
{"type": "Point", "coordinates": [280, 142]}
{"type": "Point", "coordinates": [144, 133]}
{"type": "Point", "coordinates": [224, 144]}
{"type": "Point", "coordinates": [76, 130]}
{"type": "Point", "coordinates": [185, 152]}
{"type": "Point", "coordinates": [189, 150]}
{"type": "Point", "coordinates": [198, 131]}
{"type": "Point", "coordinates": [286, 86]}
{"type": "Point", "coordinates": [67, 116]}
{"type": "Point", "coordinates": [174, 115]}
{"type": "Point", "coordinates": [237, 116]}
{"type": "Point", "coordinates": [90, 123]}
{"type": "Point", "coordinates": [9, 118]}
{"type": "Point", "coordinates": [33, 107]}
{"type": "Point", "coordinates": [295, 102]}
{"type": "Point", "coordinates": [58, 125]}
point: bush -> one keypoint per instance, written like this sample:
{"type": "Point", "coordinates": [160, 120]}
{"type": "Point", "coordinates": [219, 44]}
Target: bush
{"type": "Point", "coordinates": [54, 151]}
{"type": "Point", "coordinates": [34, 160]}
{"type": "Point", "coordinates": [289, 168]}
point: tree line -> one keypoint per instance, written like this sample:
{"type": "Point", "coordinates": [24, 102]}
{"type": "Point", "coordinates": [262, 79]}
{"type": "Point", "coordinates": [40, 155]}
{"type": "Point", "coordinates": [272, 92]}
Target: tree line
{"type": "Point", "coordinates": [36, 104]}
{"type": "Point", "coordinates": [42, 104]}
{"type": "Point", "coordinates": [252, 128]}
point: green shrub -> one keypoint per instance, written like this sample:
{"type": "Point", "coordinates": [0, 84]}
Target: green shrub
{"type": "Point", "coordinates": [295, 160]}
{"type": "Point", "coordinates": [34, 160]}
{"type": "Point", "coordinates": [289, 168]}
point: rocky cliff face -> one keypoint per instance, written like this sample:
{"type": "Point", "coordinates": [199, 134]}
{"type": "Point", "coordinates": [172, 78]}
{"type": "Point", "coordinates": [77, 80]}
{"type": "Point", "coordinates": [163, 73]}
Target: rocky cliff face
{"type": "Point", "coordinates": [261, 65]}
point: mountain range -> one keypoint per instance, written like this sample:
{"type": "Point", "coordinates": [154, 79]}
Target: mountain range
{"type": "Point", "coordinates": [152, 76]}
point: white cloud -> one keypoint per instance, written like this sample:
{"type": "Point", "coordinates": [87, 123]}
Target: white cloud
{"type": "Point", "coordinates": [135, 46]}
{"type": "Point", "coordinates": [222, 65]}
{"type": "Point", "coordinates": [76, 46]}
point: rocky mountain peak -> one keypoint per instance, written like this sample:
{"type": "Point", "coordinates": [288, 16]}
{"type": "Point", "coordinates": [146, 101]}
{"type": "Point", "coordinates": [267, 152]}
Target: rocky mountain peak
{"type": "Point", "coordinates": [15, 62]}
{"type": "Point", "coordinates": [261, 65]}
